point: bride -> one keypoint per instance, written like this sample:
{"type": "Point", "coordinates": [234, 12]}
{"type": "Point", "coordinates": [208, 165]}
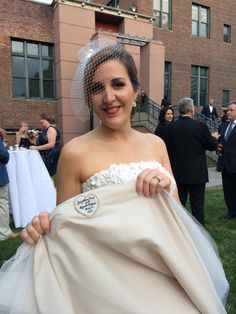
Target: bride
{"type": "Point", "coordinates": [119, 241]}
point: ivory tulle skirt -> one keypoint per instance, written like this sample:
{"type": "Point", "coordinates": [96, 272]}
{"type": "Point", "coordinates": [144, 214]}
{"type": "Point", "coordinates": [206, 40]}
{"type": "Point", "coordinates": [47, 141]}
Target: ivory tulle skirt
{"type": "Point", "coordinates": [112, 251]}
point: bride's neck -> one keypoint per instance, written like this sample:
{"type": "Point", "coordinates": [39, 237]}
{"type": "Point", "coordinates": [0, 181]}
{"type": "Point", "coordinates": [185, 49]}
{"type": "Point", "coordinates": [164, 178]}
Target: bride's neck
{"type": "Point", "coordinates": [114, 134]}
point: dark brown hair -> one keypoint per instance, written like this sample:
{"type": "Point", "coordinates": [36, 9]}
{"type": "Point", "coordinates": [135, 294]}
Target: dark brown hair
{"type": "Point", "coordinates": [48, 117]}
{"type": "Point", "coordinates": [162, 114]}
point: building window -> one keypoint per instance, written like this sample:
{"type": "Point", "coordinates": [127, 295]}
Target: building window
{"type": "Point", "coordinates": [227, 34]}
{"type": "Point", "coordinates": [225, 97]}
{"type": "Point", "coordinates": [200, 21]}
{"type": "Point", "coordinates": [167, 80]}
{"type": "Point", "coordinates": [162, 12]}
{"type": "Point", "coordinates": [199, 85]}
{"type": "Point", "coordinates": [113, 4]}
{"type": "Point", "coordinates": [33, 70]}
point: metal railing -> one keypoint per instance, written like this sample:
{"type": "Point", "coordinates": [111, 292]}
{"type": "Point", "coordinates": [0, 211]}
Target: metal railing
{"type": "Point", "coordinates": [212, 125]}
{"type": "Point", "coordinates": [147, 116]}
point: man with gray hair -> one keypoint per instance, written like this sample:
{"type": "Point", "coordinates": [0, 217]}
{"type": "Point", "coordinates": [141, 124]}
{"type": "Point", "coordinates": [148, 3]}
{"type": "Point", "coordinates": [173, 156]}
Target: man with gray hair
{"type": "Point", "coordinates": [187, 140]}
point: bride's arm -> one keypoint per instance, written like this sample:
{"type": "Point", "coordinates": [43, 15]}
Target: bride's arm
{"type": "Point", "coordinates": [68, 174]}
{"type": "Point", "coordinates": [152, 181]}
{"type": "Point", "coordinates": [167, 166]}
{"type": "Point", "coordinates": [68, 186]}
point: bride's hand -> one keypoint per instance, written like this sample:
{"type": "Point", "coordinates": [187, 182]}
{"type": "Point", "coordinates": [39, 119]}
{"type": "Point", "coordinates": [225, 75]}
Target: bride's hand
{"type": "Point", "coordinates": [34, 230]}
{"type": "Point", "coordinates": [151, 181]}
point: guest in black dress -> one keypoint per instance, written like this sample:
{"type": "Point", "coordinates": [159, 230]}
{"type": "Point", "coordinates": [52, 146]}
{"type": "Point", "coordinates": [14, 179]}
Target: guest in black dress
{"type": "Point", "coordinates": [49, 143]}
{"type": "Point", "coordinates": [21, 136]}
{"type": "Point", "coordinates": [166, 116]}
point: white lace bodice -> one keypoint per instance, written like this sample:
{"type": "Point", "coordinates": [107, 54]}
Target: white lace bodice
{"type": "Point", "coordinates": [122, 173]}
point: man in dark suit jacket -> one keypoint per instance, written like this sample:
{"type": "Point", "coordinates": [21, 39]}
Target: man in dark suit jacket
{"type": "Point", "coordinates": [209, 111]}
{"type": "Point", "coordinates": [5, 230]}
{"type": "Point", "coordinates": [228, 160]}
{"type": "Point", "coordinates": [187, 141]}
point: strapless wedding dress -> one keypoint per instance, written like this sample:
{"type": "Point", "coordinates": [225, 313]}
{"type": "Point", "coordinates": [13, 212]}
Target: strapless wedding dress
{"type": "Point", "coordinates": [112, 251]}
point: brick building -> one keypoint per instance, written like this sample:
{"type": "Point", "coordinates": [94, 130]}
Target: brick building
{"type": "Point", "coordinates": [181, 48]}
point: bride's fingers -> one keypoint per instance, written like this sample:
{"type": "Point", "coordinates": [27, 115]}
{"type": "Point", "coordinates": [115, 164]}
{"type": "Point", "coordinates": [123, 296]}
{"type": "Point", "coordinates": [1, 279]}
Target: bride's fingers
{"type": "Point", "coordinates": [37, 225]}
{"type": "Point", "coordinates": [151, 181]}
{"type": "Point", "coordinates": [44, 222]}
{"type": "Point", "coordinates": [140, 182]}
{"type": "Point", "coordinates": [155, 183]}
{"type": "Point", "coordinates": [27, 237]}
{"type": "Point", "coordinates": [147, 181]}
{"type": "Point", "coordinates": [154, 186]}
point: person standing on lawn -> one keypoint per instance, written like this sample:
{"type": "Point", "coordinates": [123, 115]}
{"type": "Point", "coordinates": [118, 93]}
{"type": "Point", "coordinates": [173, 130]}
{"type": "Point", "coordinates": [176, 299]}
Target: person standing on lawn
{"type": "Point", "coordinates": [187, 141]}
{"type": "Point", "coordinates": [227, 165]}
{"type": "Point", "coordinates": [5, 230]}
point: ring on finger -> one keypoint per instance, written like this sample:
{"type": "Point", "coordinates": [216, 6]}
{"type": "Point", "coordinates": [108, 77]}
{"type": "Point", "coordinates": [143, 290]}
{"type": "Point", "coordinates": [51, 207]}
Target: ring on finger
{"type": "Point", "coordinates": [157, 178]}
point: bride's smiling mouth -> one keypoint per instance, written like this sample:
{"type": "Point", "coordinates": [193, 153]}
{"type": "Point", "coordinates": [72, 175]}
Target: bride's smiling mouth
{"type": "Point", "coordinates": [111, 110]}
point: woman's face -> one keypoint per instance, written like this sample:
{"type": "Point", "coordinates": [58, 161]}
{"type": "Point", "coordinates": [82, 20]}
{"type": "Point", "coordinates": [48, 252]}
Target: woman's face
{"type": "Point", "coordinates": [44, 123]}
{"type": "Point", "coordinates": [112, 94]}
{"type": "Point", "coordinates": [24, 126]}
{"type": "Point", "coordinates": [169, 116]}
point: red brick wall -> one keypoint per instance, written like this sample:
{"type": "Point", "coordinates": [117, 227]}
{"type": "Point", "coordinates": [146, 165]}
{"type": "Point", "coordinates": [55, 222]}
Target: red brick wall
{"type": "Point", "coordinates": [27, 20]}
{"type": "Point", "coordinates": [183, 50]}
{"type": "Point", "coordinates": [23, 20]}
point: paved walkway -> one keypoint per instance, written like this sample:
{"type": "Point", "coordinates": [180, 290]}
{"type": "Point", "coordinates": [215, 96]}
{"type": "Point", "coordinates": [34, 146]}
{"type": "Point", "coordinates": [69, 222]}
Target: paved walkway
{"type": "Point", "coordinates": [214, 178]}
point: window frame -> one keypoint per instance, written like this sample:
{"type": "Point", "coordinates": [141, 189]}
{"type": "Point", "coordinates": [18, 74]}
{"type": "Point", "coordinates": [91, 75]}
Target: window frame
{"type": "Point", "coordinates": [225, 100]}
{"type": "Point", "coordinates": [199, 22]}
{"type": "Point", "coordinates": [197, 95]}
{"type": "Point", "coordinates": [167, 78]}
{"type": "Point", "coordinates": [28, 57]}
{"type": "Point", "coordinates": [114, 4]}
{"type": "Point", "coordinates": [159, 22]}
{"type": "Point", "coordinates": [227, 37]}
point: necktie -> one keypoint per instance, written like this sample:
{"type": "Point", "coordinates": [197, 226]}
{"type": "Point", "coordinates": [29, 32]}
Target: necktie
{"type": "Point", "coordinates": [230, 128]}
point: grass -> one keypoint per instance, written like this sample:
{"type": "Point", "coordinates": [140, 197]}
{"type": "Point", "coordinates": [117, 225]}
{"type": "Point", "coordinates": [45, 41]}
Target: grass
{"type": "Point", "coordinates": [223, 232]}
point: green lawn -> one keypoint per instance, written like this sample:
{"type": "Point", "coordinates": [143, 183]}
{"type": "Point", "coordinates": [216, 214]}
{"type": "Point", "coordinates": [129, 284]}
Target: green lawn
{"type": "Point", "coordinates": [223, 231]}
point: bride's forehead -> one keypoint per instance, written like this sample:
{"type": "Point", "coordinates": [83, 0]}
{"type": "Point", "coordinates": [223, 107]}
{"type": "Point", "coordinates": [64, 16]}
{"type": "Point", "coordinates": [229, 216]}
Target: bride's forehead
{"type": "Point", "coordinates": [110, 69]}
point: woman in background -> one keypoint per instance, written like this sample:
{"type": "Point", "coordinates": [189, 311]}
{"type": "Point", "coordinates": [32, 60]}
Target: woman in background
{"type": "Point", "coordinates": [49, 143]}
{"type": "Point", "coordinates": [21, 136]}
{"type": "Point", "coordinates": [166, 116]}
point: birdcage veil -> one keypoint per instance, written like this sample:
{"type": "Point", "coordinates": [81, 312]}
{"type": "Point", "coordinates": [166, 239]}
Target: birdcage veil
{"type": "Point", "coordinates": [94, 54]}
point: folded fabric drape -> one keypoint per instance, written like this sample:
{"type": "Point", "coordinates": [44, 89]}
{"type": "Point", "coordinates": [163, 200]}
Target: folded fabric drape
{"type": "Point", "coordinates": [112, 251]}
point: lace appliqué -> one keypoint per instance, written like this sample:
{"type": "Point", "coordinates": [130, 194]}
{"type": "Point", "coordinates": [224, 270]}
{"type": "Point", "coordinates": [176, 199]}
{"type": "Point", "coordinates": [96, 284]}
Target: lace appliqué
{"type": "Point", "coordinates": [123, 173]}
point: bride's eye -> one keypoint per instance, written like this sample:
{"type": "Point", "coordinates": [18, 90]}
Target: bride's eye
{"type": "Point", "coordinates": [118, 84]}
{"type": "Point", "coordinates": [96, 88]}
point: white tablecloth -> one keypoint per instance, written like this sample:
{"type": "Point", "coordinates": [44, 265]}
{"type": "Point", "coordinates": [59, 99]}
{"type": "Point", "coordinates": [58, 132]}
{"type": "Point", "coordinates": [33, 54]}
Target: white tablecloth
{"type": "Point", "coordinates": [31, 189]}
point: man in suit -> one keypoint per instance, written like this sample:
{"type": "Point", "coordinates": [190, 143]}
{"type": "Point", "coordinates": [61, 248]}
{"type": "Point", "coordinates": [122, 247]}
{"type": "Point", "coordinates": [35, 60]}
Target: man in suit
{"type": "Point", "coordinates": [209, 111]}
{"type": "Point", "coordinates": [5, 230]}
{"type": "Point", "coordinates": [187, 141]}
{"type": "Point", "coordinates": [227, 140]}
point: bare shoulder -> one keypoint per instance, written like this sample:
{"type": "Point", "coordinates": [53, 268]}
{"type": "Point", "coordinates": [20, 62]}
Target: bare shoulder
{"type": "Point", "coordinates": [76, 146]}
{"type": "Point", "coordinates": [72, 158]}
{"type": "Point", "coordinates": [152, 139]}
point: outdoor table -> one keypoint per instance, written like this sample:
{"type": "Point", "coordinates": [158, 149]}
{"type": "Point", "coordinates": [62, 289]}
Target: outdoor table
{"type": "Point", "coordinates": [31, 189]}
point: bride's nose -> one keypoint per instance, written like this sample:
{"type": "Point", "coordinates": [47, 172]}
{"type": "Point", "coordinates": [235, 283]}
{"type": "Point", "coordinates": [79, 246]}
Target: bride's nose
{"type": "Point", "coordinates": [108, 94]}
